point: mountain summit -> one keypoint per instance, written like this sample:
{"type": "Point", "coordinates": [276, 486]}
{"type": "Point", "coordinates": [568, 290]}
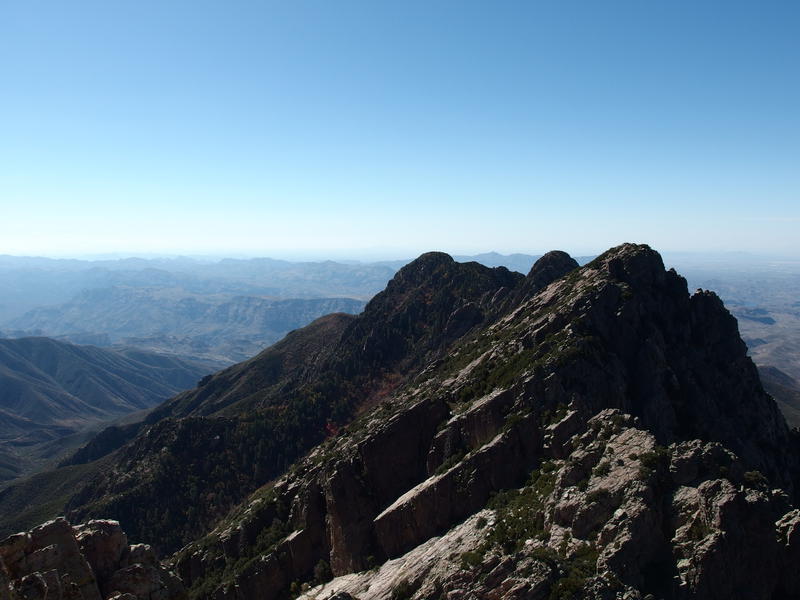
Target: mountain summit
{"type": "Point", "coordinates": [580, 432]}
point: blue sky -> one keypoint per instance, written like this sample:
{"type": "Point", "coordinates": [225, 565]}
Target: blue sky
{"type": "Point", "coordinates": [378, 129]}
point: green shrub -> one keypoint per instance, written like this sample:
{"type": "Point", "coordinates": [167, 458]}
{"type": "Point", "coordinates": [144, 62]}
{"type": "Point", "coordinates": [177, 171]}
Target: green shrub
{"type": "Point", "coordinates": [653, 461]}
{"type": "Point", "coordinates": [404, 590]}
{"type": "Point", "coordinates": [755, 479]}
{"type": "Point", "coordinates": [577, 571]}
{"type": "Point", "coordinates": [470, 560]}
{"type": "Point", "coordinates": [598, 495]}
{"type": "Point", "coordinates": [520, 513]}
{"type": "Point", "coordinates": [322, 572]}
{"type": "Point", "coordinates": [450, 462]}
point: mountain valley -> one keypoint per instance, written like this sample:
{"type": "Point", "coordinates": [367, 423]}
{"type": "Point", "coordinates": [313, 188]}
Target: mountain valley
{"type": "Point", "coordinates": [55, 395]}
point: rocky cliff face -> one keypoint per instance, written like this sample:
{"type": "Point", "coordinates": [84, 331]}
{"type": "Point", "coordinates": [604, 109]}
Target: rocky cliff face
{"type": "Point", "coordinates": [617, 517]}
{"type": "Point", "coordinates": [592, 432]}
{"type": "Point", "coordinates": [92, 561]}
{"type": "Point", "coordinates": [204, 451]}
{"type": "Point", "coordinates": [599, 434]}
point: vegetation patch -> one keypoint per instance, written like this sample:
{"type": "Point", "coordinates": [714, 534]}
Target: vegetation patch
{"type": "Point", "coordinates": [599, 495]}
{"type": "Point", "coordinates": [450, 462]}
{"type": "Point", "coordinates": [471, 559]}
{"type": "Point", "coordinates": [521, 513]}
{"type": "Point", "coordinates": [551, 417]}
{"type": "Point", "coordinates": [404, 590]}
{"type": "Point", "coordinates": [756, 479]}
{"type": "Point", "coordinates": [575, 572]}
{"type": "Point", "coordinates": [654, 461]}
{"type": "Point", "coordinates": [322, 572]}
{"type": "Point", "coordinates": [602, 469]}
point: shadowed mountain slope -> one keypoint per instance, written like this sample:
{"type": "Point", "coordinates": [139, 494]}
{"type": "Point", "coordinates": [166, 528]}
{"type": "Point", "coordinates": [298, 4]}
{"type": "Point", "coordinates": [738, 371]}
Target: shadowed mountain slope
{"type": "Point", "coordinates": [49, 383]}
{"type": "Point", "coordinates": [268, 411]}
{"type": "Point", "coordinates": [580, 432]}
{"type": "Point", "coordinates": [595, 399]}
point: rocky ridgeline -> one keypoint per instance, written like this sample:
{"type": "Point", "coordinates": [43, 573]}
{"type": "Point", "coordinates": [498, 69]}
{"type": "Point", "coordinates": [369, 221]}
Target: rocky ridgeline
{"type": "Point", "coordinates": [592, 432]}
{"type": "Point", "coordinates": [617, 517]}
{"type": "Point", "coordinates": [92, 561]}
{"type": "Point", "coordinates": [205, 451]}
{"type": "Point", "coordinates": [599, 434]}
{"type": "Point", "coordinates": [606, 512]}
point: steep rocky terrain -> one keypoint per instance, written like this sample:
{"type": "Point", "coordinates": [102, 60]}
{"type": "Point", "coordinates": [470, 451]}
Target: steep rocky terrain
{"type": "Point", "coordinates": [92, 561]}
{"type": "Point", "coordinates": [762, 293]}
{"type": "Point", "coordinates": [203, 451]}
{"type": "Point", "coordinates": [606, 435]}
{"type": "Point", "coordinates": [617, 516]}
{"type": "Point", "coordinates": [581, 432]}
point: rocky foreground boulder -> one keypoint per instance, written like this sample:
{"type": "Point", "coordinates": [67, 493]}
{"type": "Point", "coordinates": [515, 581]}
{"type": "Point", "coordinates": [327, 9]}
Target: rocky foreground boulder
{"type": "Point", "coordinates": [92, 561]}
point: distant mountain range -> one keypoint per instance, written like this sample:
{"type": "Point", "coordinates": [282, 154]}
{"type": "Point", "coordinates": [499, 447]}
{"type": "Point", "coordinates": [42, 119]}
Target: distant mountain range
{"type": "Point", "coordinates": [224, 311]}
{"type": "Point", "coordinates": [28, 283]}
{"type": "Point", "coordinates": [51, 390]}
{"type": "Point", "coordinates": [166, 320]}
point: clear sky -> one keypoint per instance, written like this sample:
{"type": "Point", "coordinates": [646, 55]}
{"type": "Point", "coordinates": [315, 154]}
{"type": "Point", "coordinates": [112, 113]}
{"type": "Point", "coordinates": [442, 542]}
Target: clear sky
{"type": "Point", "coordinates": [387, 128]}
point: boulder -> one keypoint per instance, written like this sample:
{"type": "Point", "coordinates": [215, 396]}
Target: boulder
{"type": "Point", "coordinates": [91, 561]}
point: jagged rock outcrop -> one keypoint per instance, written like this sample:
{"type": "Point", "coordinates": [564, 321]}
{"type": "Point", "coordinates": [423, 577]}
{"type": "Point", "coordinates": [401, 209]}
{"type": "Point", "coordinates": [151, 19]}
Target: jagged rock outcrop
{"type": "Point", "coordinates": [92, 561]}
{"type": "Point", "coordinates": [592, 432]}
{"type": "Point", "coordinates": [272, 409]}
{"type": "Point", "coordinates": [619, 517]}
{"type": "Point", "coordinates": [602, 435]}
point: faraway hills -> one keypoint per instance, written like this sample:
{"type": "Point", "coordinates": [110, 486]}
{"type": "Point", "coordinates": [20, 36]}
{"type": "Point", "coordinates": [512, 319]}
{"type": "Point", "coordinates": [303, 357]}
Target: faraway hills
{"type": "Point", "coordinates": [590, 431]}
{"type": "Point", "coordinates": [221, 312]}
{"type": "Point", "coordinates": [55, 395]}
{"type": "Point", "coordinates": [218, 331]}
